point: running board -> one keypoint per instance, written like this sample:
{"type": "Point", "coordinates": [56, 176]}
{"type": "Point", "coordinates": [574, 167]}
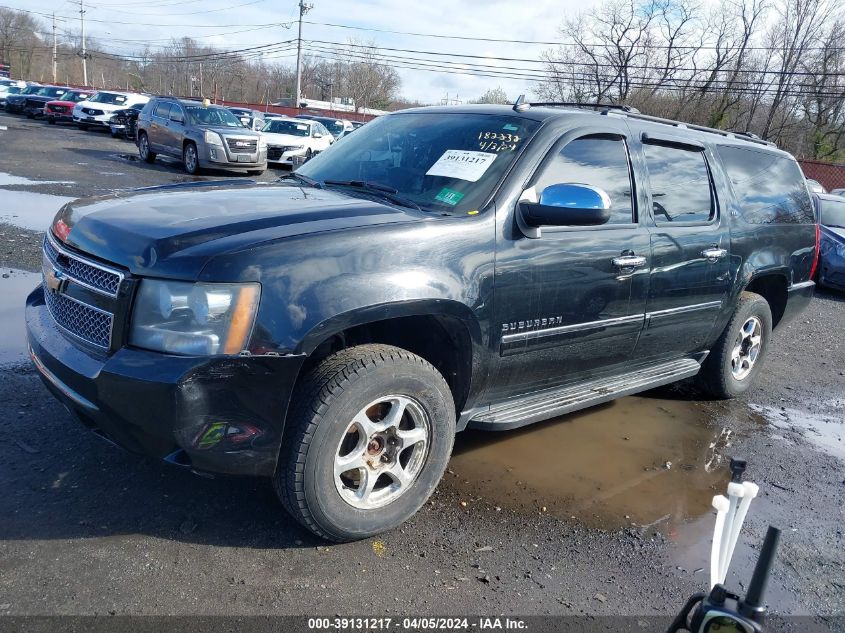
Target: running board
{"type": "Point", "coordinates": [552, 403]}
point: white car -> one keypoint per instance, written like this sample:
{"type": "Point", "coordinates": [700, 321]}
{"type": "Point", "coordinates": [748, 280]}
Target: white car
{"type": "Point", "coordinates": [96, 111]}
{"type": "Point", "coordinates": [287, 138]}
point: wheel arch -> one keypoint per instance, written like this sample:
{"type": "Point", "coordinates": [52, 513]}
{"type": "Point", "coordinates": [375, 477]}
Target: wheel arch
{"type": "Point", "coordinates": [773, 286]}
{"type": "Point", "coordinates": [445, 333]}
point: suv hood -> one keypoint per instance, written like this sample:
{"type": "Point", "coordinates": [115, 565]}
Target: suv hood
{"type": "Point", "coordinates": [233, 131]}
{"type": "Point", "coordinates": [174, 230]}
{"type": "Point", "coordinates": [105, 107]}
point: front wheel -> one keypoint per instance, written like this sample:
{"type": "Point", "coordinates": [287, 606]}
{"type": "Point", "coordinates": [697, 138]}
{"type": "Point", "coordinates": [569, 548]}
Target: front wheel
{"type": "Point", "coordinates": [736, 358]}
{"type": "Point", "coordinates": [82, 127]}
{"type": "Point", "coordinates": [190, 159]}
{"type": "Point", "coordinates": [369, 434]}
{"type": "Point", "coordinates": [51, 120]}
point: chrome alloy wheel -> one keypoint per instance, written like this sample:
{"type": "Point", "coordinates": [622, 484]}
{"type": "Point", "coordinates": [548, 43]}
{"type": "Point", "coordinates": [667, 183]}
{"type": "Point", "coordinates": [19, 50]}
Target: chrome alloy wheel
{"type": "Point", "coordinates": [749, 343]}
{"type": "Point", "coordinates": [190, 158]}
{"type": "Point", "coordinates": [382, 452]}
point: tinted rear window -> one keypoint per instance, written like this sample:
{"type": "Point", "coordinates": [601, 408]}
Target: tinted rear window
{"type": "Point", "coordinates": [769, 188]}
{"type": "Point", "coordinates": [680, 184]}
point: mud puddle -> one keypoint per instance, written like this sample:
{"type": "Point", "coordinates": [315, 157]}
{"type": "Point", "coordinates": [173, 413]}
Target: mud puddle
{"type": "Point", "coordinates": [826, 431]}
{"type": "Point", "coordinates": [639, 462]}
{"type": "Point", "coordinates": [27, 210]}
{"type": "Point", "coordinates": [15, 285]}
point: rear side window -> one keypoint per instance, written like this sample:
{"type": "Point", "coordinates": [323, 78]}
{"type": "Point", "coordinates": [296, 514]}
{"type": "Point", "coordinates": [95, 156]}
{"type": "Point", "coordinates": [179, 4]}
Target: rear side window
{"type": "Point", "coordinates": [680, 184]}
{"type": "Point", "coordinates": [163, 110]}
{"type": "Point", "coordinates": [598, 160]}
{"type": "Point", "coordinates": [769, 188]}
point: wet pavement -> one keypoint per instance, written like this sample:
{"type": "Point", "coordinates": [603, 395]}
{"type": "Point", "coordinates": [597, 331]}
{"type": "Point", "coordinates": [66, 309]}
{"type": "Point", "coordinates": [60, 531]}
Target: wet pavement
{"type": "Point", "coordinates": [639, 461]}
{"type": "Point", "coordinates": [15, 285]}
{"type": "Point", "coordinates": [606, 511]}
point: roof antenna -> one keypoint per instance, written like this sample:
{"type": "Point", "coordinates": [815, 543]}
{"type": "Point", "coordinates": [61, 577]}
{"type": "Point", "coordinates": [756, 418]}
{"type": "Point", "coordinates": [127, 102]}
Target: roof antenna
{"type": "Point", "coordinates": [520, 105]}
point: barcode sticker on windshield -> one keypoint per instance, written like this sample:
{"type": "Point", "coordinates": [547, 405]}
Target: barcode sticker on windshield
{"type": "Point", "coordinates": [463, 164]}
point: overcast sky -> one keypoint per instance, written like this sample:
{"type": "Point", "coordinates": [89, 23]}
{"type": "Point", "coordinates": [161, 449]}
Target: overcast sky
{"type": "Point", "coordinates": [155, 21]}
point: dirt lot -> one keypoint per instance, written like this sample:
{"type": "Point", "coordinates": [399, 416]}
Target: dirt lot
{"type": "Point", "coordinates": [602, 512]}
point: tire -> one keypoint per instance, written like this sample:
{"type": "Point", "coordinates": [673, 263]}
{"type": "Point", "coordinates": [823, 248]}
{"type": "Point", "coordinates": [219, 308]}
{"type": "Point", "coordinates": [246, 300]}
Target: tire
{"type": "Point", "coordinates": [308, 155]}
{"type": "Point", "coordinates": [30, 115]}
{"type": "Point", "coordinates": [732, 365]}
{"type": "Point", "coordinates": [114, 134]}
{"type": "Point", "coordinates": [51, 120]}
{"type": "Point", "coordinates": [343, 387]}
{"type": "Point", "coordinates": [190, 159]}
{"type": "Point", "coordinates": [82, 127]}
{"type": "Point", "coordinates": [144, 150]}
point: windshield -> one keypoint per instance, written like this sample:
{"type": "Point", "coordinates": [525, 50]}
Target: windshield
{"type": "Point", "coordinates": [449, 162]}
{"type": "Point", "coordinates": [30, 90]}
{"type": "Point", "coordinates": [51, 92]}
{"type": "Point", "coordinates": [833, 213]}
{"type": "Point", "coordinates": [76, 97]}
{"type": "Point", "coordinates": [212, 117]}
{"type": "Point", "coordinates": [13, 90]}
{"type": "Point", "coordinates": [109, 97]}
{"type": "Point", "coordinates": [281, 126]}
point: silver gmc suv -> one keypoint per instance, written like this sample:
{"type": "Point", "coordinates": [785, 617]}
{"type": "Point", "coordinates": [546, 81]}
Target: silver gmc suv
{"type": "Point", "coordinates": [202, 135]}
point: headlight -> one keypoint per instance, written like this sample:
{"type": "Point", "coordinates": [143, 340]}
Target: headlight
{"type": "Point", "coordinates": [194, 319]}
{"type": "Point", "coordinates": [840, 249]}
{"type": "Point", "coordinates": [295, 148]}
{"type": "Point", "coordinates": [213, 138]}
{"type": "Point", "coordinates": [262, 143]}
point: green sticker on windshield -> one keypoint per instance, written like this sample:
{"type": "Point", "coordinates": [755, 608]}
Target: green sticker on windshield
{"type": "Point", "coordinates": [449, 196]}
{"type": "Point", "coordinates": [510, 127]}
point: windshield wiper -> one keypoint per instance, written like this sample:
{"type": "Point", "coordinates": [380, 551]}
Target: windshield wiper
{"type": "Point", "coordinates": [385, 191]}
{"type": "Point", "coordinates": [311, 182]}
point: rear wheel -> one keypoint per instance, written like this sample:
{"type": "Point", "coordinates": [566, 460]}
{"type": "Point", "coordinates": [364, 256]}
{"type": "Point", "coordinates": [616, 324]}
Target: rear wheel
{"type": "Point", "coordinates": [144, 148]}
{"type": "Point", "coordinates": [738, 355]}
{"type": "Point", "coordinates": [369, 434]}
{"type": "Point", "coordinates": [190, 160]}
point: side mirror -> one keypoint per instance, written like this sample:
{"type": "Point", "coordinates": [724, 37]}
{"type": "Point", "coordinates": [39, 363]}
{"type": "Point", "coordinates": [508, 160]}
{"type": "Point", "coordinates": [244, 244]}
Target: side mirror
{"type": "Point", "coordinates": [566, 205]}
{"type": "Point", "coordinates": [317, 135]}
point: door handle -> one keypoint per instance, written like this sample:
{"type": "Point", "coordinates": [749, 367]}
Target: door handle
{"type": "Point", "coordinates": [629, 261]}
{"type": "Point", "coordinates": [713, 254]}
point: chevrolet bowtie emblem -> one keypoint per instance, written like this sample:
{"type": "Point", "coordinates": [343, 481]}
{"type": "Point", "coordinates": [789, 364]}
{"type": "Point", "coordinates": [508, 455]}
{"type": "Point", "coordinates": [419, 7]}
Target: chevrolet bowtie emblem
{"type": "Point", "coordinates": [53, 280]}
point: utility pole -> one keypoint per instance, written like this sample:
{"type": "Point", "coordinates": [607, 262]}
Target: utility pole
{"type": "Point", "coordinates": [55, 57]}
{"type": "Point", "coordinates": [303, 9]}
{"type": "Point", "coordinates": [84, 53]}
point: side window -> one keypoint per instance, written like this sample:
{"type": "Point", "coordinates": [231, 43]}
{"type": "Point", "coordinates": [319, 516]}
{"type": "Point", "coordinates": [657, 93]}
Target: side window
{"type": "Point", "coordinates": [680, 184]}
{"type": "Point", "coordinates": [177, 114]}
{"type": "Point", "coordinates": [162, 110]}
{"type": "Point", "coordinates": [597, 160]}
{"type": "Point", "coordinates": [769, 187]}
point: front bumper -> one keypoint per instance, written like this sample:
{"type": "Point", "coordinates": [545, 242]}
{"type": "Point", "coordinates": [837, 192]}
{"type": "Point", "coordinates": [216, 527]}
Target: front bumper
{"type": "Point", "coordinates": [35, 112]}
{"type": "Point", "coordinates": [59, 117]}
{"type": "Point", "coordinates": [217, 157]}
{"type": "Point", "coordinates": [832, 270]}
{"type": "Point", "coordinates": [219, 415]}
{"type": "Point", "coordinates": [284, 158]}
{"type": "Point", "coordinates": [15, 107]}
{"type": "Point", "coordinates": [97, 120]}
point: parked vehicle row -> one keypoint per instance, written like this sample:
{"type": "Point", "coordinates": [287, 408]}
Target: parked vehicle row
{"type": "Point", "coordinates": [200, 134]}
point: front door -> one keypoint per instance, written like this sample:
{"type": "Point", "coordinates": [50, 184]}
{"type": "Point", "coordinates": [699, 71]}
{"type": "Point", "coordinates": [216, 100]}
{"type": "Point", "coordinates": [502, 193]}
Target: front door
{"type": "Point", "coordinates": [570, 303]}
{"type": "Point", "coordinates": [690, 270]}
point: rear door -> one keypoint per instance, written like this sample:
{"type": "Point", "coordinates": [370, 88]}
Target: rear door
{"type": "Point", "coordinates": [159, 119]}
{"type": "Point", "coordinates": [570, 304]}
{"type": "Point", "coordinates": [690, 273]}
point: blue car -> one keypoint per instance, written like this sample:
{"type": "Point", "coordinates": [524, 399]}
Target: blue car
{"type": "Point", "coordinates": [831, 268]}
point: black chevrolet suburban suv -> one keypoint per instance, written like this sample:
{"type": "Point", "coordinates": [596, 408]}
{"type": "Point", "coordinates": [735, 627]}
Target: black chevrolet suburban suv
{"type": "Point", "coordinates": [441, 268]}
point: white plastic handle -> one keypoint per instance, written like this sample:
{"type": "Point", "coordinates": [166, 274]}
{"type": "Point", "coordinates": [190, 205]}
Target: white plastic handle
{"type": "Point", "coordinates": [721, 503]}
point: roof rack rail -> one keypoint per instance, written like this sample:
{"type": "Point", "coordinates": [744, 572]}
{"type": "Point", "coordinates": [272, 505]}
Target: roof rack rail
{"type": "Point", "coordinates": [745, 136]}
{"type": "Point", "coordinates": [581, 104]}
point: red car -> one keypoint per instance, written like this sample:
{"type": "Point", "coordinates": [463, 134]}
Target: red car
{"type": "Point", "coordinates": [58, 111]}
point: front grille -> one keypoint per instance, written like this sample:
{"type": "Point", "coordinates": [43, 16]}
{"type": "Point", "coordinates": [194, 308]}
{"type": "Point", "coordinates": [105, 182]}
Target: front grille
{"type": "Point", "coordinates": [274, 153]}
{"type": "Point", "coordinates": [64, 271]}
{"type": "Point", "coordinates": [88, 323]}
{"type": "Point", "coordinates": [57, 108]}
{"type": "Point", "coordinates": [92, 111]}
{"type": "Point", "coordinates": [35, 103]}
{"type": "Point", "coordinates": [242, 146]}
{"type": "Point", "coordinates": [88, 274]}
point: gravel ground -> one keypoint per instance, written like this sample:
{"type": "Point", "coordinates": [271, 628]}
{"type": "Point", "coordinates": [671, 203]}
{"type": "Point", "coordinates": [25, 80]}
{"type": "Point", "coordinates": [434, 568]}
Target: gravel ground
{"type": "Point", "coordinates": [88, 529]}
